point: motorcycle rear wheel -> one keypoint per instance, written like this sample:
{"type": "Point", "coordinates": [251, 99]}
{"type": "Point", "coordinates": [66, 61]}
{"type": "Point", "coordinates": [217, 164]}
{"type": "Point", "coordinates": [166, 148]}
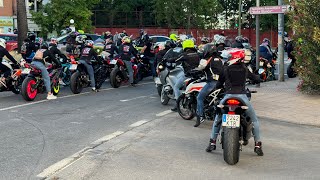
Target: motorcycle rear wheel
{"type": "Point", "coordinates": [186, 113]}
{"type": "Point", "coordinates": [75, 83]}
{"type": "Point", "coordinates": [231, 145]}
{"type": "Point", "coordinates": [164, 97]}
{"type": "Point", "coordinates": [115, 78]}
{"type": "Point", "coordinates": [27, 91]}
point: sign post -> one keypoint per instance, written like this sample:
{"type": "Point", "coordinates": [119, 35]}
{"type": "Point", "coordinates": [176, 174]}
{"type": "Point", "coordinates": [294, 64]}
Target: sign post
{"type": "Point", "coordinates": [280, 44]}
{"type": "Point", "coordinates": [257, 38]}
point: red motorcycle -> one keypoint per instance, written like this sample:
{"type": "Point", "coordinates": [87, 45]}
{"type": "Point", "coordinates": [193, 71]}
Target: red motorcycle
{"type": "Point", "coordinates": [119, 73]}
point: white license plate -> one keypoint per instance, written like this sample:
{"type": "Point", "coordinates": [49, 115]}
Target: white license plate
{"type": "Point", "coordinates": [231, 120]}
{"type": "Point", "coordinates": [261, 63]}
{"type": "Point", "coordinates": [26, 71]}
{"type": "Point", "coordinates": [73, 66]}
{"type": "Point", "coordinates": [113, 61]}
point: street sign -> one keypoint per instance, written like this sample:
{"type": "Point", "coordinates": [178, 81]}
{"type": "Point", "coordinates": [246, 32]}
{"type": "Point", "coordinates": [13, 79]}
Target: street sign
{"type": "Point", "coordinates": [269, 9]}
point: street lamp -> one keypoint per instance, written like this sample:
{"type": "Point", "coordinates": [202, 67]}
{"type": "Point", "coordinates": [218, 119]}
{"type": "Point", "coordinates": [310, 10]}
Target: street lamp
{"type": "Point", "coordinates": [72, 27]}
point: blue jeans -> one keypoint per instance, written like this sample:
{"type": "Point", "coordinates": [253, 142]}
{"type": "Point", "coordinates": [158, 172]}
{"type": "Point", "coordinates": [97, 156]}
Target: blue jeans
{"type": "Point", "coordinates": [152, 66]}
{"type": "Point", "coordinates": [176, 87]}
{"type": "Point", "coordinates": [250, 112]}
{"type": "Point", "coordinates": [202, 95]}
{"type": "Point", "coordinates": [90, 72]}
{"type": "Point", "coordinates": [130, 70]}
{"type": "Point", "coordinates": [44, 73]}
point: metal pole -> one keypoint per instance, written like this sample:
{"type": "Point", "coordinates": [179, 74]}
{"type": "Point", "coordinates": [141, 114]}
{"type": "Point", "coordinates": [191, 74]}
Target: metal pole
{"type": "Point", "coordinates": [257, 40]}
{"type": "Point", "coordinates": [239, 23]}
{"type": "Point", "coordinates": [280, 44]}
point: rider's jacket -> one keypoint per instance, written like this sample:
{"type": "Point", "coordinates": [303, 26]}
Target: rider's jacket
{"type": "Point", "coordinates": [55, 51]}
{"type": "Point", "coordinates": [88, 53]}
{"type": "Point", "coordinates": [47, 57]}
{"type": "Point", "coordinates": [4, 52]}
{"type": "Point", "coordinates": [234, 77]}
{"type": "Point", "coordinates": [126, 51]}
{"type": "Point", "coordinates": [111, 48]}
{"type": "Point", "coordinates": [213, 69]}
{"type": "Point", "coordinates": [189, 60]}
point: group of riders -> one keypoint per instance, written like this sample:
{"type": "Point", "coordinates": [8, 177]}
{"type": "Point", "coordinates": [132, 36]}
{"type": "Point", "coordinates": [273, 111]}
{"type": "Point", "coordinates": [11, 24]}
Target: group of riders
{"type": "Point", "coordinates": [230, 74]}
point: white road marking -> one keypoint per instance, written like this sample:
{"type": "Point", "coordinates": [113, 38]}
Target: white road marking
{"type": "Point", "coordinates": [76, 122]}
{"type": "Point", "coordinates": [61, 97]}
{"type": "Point", "coordinates": [164, 113]}
{"type": "Point", "coordinates": [138, 123]}
{"type": "Point", "coordinates": [139, 97]}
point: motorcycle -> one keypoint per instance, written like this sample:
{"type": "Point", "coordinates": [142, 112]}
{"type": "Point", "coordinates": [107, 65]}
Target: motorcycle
{"type": "Point", "coordinates": [119, 73]}
{"type": "Point", "coordinates": [34, 84]}
{"type": "Point", "coordinates": [65, 73]}
{"type": "Point", "coordinates": [14, 81]}
{"type": "Point", "coordinates": [236, 129]}
{"type": "Point", "coordinates": [265, 69]}
{"type": "Point", "coordinates": [80, 78]}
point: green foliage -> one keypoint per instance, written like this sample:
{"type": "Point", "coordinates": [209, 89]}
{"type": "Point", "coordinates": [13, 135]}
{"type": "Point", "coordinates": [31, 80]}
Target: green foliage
{"type": "Point", "coordinates": [57, 13]}
{"type": "Point", "coordinates": [305, 22]}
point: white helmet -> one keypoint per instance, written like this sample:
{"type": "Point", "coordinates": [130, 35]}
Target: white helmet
{"type": "Point", "coordinates": [3, 43]}
{"type": "Point", "coordinates": [218, 39]}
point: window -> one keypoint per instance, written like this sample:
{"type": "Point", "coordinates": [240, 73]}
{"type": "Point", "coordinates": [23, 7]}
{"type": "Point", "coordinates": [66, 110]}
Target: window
{"type": "Point", "coordinates": [1, 3]}
{"type": "Point", "coordinates": [35, 5]}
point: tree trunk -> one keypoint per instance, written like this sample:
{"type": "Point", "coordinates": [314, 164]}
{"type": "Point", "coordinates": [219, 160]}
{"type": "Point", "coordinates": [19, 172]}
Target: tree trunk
{"type": "Point", "coordinates": [22, 22]}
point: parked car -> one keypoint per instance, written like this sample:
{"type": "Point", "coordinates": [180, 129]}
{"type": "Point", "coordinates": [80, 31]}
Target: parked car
{"type": "Point", "coordinates": [12, 41]}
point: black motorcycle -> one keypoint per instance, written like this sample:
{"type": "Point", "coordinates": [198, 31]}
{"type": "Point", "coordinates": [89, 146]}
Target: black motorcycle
{"type": "Point", "coordinates": [80, 79]}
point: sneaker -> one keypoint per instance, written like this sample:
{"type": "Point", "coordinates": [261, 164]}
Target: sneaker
{"type": "Point", "coordinates": [212, 145]}
{"type": "Point", "coordinates": [62, 83]}
{"type": "Point", "coordinates": [95, 89]}
{"type": "Point", "coordinates": [258, 148]}
{"type": "Point", "coordinates": [200, 120]}
{"type": "Point", "coordinates": [51, 97]}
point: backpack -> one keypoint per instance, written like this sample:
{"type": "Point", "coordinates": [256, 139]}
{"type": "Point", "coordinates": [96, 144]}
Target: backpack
{"type": "Point", "coordinates": [39, 54]}
{"type": "Point", "coordinates": [24, 48]}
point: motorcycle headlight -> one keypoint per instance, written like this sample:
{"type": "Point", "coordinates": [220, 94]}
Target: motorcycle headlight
{"type": "Point", "coordinates": [160, 67]}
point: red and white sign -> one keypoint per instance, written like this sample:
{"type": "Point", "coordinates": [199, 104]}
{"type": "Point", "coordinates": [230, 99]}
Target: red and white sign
{"type": "Point", "coordinates": [269, 9]}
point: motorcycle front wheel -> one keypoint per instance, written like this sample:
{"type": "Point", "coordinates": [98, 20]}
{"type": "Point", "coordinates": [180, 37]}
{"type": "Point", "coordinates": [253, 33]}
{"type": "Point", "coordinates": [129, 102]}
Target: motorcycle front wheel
{"type": "Point", "coordinates": [115, 78]}
{"type": "Point", "coordinates": [28, 90]}
{"type": "Point", "coordinates": [185, 109]}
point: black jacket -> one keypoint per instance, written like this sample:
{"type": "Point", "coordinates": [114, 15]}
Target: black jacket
{"type": "Point", "coordinates": [234, 77]}
{"type": "Point", "coordinates": [237, 45]}
{"type": "Point", "coordinates": [111, 48]}
{"type": "Point", "coordinates": [55, 51]}
{"type": "Point", "coordinates": [126, 51]}
{"type": "Point", "coordinates": [160, 55]}
{"type": "Point", "coordinates": [4, 52]}
{"type": "Point", "coordinates": [88, 53]}
{"type": "Point", "coordinates": [190, 59]}
{"type": "Point", "coordinates": [213, 68]}
{"type": "Point", "coordinates": [48, 57]}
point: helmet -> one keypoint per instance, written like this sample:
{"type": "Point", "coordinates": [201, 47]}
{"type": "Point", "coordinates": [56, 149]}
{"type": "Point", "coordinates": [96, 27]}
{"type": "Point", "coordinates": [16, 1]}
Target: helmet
{"type": "Point", "coordinates": [3, 43]}
{"type": "Point", "coordinates": [232, 56]}
{"type": "Point", "coordinates": [39, 40]}
{"type": "Point", "coordinates": [80, 31]}
{"type": "Point", "coordinates": [187, 44]}
{"type": "Point", "coordinates": [239, 39]}
{"type": "Point", "coordinates": [218, 39]}
{"type": "Point", "coordinates": [122, 35]}
{"type": "Point", "coordinates": [266, 40]}
{"type": "Point", "coordinates": [126, 39]}
{"type": "Point", "coordinates": [44, 46]}
{"type": "Point", "coordinates": [32, 36]}
{"type": "Point", "coordinates": [53, 40]}
{"type": "Point", "coordinates": [173, 37]}
{"type": "Point", "coordinates": [205, 40]}
{"type": "Point", "coordinates": [209, 50]}
{"type": "Point", "coordinates": [141, 31]}
{"type": "Point", "coordinates": [245, 40]}
{"type": "Point", "coordinates": [81, 38]}
{"type": "Point", "coordinates": [89, 43]}
{"type": "Point", "coordinates": [168, 44]}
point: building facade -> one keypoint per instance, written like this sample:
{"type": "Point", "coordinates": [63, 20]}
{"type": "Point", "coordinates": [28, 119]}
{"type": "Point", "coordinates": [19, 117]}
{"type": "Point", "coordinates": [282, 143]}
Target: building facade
{"type": "Point", "coordinates": [6, 15]}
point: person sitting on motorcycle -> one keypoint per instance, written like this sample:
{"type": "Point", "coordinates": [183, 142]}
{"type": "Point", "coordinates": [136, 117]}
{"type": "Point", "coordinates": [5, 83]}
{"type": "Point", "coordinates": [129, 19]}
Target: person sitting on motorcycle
{"type": "Point", "coordinates": [233, 79]}
{"type": "Point", "coordinates": [212, 66]}
{"type": "Point", "coordinates": [29, 47]}
{"type": "Point", "coordinates": [4, 52]}
{"type": "Point", "coordinates": [265, 50]}
{"type": "Point", "coordinates": [190, 60]}
{"type": "Point", "coordinates": [238, 42]}
{"type": "Point", "coordinates": [87, 54]}
{"type": "Point", "coordinates": [71, 43]}
{"type": "Point", "coordinates": [56, 52]}
{"type": "Point", "coordinates": [111, 48]}
{"type": "Point", "coordinates": [107, 35]}
{"type": "Point", "coordinates": [174, 39]}
{"type": "Point", "coordinates": [168, 45]}
{"type": "Point", "coordinates": [204, 41]}
{"type": "Point", "coordinates": [146, 51]}
{"type": "Point", "coordinates": [219, 41]}
{"type": "Point", "coordinates": [40, 63]}
{"type": "Point", "coordinates": [126, 51]}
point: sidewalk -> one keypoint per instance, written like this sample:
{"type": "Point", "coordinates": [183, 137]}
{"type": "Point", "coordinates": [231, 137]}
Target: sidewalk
{"type": "Point", "coordinates": [281, 101]}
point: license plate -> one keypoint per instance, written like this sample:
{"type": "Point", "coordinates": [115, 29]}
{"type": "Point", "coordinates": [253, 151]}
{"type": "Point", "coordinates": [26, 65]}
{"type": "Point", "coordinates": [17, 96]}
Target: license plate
{"type": "Point", "coordinates": [231, 120]}
{"type": "Point", "coordinates": [157, 80]}
{"type": "Point", "coordinates": [73, 66]}
{"type": "Point", "coordinates": [26, 71]}
{"type": "Point", "coordinates": [113, 61]}
{"type": "Point", "coordinates": [261, 63]}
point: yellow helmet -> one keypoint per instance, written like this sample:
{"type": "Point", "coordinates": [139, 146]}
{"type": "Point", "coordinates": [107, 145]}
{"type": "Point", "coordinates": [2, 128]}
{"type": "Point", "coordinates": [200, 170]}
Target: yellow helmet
{"type": "Point", "coordinates": [80, 31]}
{"type": "Point", "coordinates": [173, 37]}
{"type": "Point", "coordinates": [187, 44]}
{"type": "Point", "coordinates": [126, 39]}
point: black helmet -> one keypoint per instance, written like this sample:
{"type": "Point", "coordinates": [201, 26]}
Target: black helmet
{"type": "Point", "coordinates": [209, 50]}
{"type": "Point", "coordinates": [31, 36]}
{"type": "Point", "coordinates": [44, 46]}
{"type": "Point", "coordinates": [239, 39]}
{"type": "Point", "coordinates": [168, 44]}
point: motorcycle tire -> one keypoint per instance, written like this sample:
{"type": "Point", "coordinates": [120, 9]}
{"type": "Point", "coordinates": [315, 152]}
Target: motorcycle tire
{"type": "Point", "coordinates": [164, 97]}
{"type": "Point", "coordinates": [190, 109]}
{"type": "Point", "coordinates": [115, 78]}
{"type": "Point", "coordinates": [159, 89]}
{"type": "Point", "coordinates": [27, 92]}
{"type": "Point", "coordinates": [75, 83]}
{"type": "Point", "coordinates": [231, 145]}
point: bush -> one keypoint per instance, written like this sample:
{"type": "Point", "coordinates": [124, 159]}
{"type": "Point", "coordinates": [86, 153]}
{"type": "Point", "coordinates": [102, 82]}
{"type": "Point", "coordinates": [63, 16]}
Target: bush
{"type": "Point", "coordinates": [305, 22]}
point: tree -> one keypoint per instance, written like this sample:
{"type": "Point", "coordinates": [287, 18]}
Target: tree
{"type": "Point", "coordinates": [22, 22]}
{"type": "Point", "coordinates": [56, 15]}
{"type": "Point", "coordinates": [305, 23]}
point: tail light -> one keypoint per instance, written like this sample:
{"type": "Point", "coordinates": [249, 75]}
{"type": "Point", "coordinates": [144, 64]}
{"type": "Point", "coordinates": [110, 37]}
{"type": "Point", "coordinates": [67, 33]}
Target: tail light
{"type": "Point", "coordinates": [26, 65]}
{"type": "Point", "coordinates": [233, 102]}
{"type": "Point", "coordinates": [18, 73]}
{"type": "Point", "coordinates": [73, 62]}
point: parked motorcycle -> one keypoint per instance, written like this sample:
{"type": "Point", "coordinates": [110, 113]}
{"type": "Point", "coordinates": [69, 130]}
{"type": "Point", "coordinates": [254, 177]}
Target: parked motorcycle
{"type": "Point", "coordinates": [34, 84]}
{"type": "Point", "coordinates": [80, 78]}
{"type": "Point", "coordinates": [265, 69]}
{"type": "Point", "coordinates": [119, 73]}
{"type": "Point", "coordinates": [14, 81]}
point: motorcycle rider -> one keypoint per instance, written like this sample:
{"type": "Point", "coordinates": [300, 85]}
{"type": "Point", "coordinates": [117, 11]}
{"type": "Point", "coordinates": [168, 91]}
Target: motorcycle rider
{"type": "Point", "coordinates": [265, 50]}
{"type": "Point", "coordinates": [238, 42]}
{"type": "Point", "coordinates": [190, 60]}
{"type": "Point", "coordinates": [174, 39]}
{"type": "Point", "coordinates": [29, 47]}
{"type": "Point", "coordinates": [56, 52]}
{"type": "Point", "coordinates": [126, 51]}
{"type": "Point", "coordinates": [204, 41]}
{"type": "Point", "coordinates": [146, 51]}
{"type": "Point", "coordinates": [87, 54]}
{"type": "Point", "coordinates": [219, 41]}
{"type": "Point", "coordinates": [4, 52]}
{"type": "Point", "coordinates": [212, 66]}
{"type": "Point", "coordinates": [111, 48]}
{"type": "Point", "coordinates": [71, 43]}
{"type": "Point", "coordinates": [42, 56]}
{"type": "Point", "coordinates": [234, 75]}
{"type": "Point", "coordinates": [168, 45]}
